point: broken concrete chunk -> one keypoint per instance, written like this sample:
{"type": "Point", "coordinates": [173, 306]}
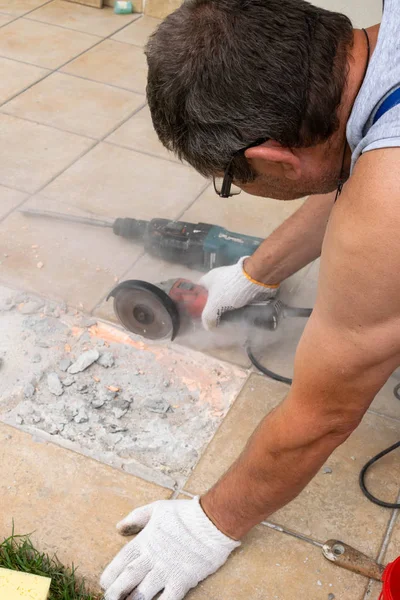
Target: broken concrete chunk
{"type": "Point", "coordinates": [31, 307]}
{"type": "Point", "coordinates": [81, 417]}
{"type": "Point", "coordinates": [327, 470]}
{"type": "Point", "coordinates": [85, 338]}
{"type": "Point", "coordinates": [19, 420]}
{"type": "Point", "coordinates": [119, 412]}
{"type": "Point", "coordinates": [29, 391]}
{"type": "Point", "coordinates": [98, 402]}
{"type": "Point", "coordinates": [84, 361]}
{"type": "Point", "coordinates": [160, 406]}
{"type": "Point", "coordinates": [331, 597]}
{"type": "Point", "coordinates": [42, 343]}
{"type": "Point", "coordinates": [106, 360]}
{"type": "Point", "coordinates": [87, 322]}
{"type": "Point", "coordinates": [64, 364]}
{"type": "Point", "coordinates": [52, 428]}
{"type": "Point", "coordinates": [67, 381]}
{"type": "Point", "coordinates": [82, 388]}
{"type": "Point", "coordinates": [36, 358]}
{"type": "Point", "coordinates": [54, 384]}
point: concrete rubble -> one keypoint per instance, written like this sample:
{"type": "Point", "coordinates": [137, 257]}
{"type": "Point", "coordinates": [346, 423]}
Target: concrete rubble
{"type": "Point", "coordinates": [140, 406]}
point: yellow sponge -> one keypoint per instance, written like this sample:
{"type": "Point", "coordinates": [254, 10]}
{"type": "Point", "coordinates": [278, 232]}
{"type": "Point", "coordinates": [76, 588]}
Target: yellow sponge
{"type": "Point", "coordinates": [15, 585]}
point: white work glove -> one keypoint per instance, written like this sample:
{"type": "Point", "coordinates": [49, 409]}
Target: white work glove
{"type": "Point", "coordinates": [178, 547]}
{"type": "Point", "coordinates": [230, 288]}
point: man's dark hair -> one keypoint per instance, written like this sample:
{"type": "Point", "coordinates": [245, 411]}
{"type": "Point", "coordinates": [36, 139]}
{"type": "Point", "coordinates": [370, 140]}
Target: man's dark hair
{"type": "Point", "coordinates": [223, 73]}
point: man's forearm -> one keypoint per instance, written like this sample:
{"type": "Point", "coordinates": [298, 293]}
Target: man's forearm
{"type": "Point", "coordinates": [295, 244]}
{"type": "Point", "coordinates": [280, 459]}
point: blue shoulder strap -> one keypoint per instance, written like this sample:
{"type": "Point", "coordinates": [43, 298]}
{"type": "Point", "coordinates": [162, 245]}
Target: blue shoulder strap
{"type": "Point", "coordinates": [391, 101]}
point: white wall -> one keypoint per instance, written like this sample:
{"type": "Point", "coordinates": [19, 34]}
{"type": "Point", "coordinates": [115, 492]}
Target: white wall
{"type": "Point", "coordinates": [363, 13]}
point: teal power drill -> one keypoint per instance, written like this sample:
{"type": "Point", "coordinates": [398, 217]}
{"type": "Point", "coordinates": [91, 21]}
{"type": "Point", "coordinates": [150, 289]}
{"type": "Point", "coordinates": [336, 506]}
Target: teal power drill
{"type": "Point", "coordinates": [198, 246]}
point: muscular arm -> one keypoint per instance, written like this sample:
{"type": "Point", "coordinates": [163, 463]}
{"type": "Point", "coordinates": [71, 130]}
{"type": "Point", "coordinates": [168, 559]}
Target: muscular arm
{"type": "Point", "coordinates": [350, 347]}
{"type": "Point", "coordinates": [294, 244]}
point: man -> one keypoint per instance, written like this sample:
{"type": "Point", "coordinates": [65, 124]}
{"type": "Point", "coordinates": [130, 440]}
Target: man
{"type": "Point", "coordinates": [281, 99]}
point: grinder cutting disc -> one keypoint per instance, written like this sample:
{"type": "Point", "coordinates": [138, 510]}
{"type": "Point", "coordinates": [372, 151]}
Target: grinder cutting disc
{"type": "Point", "coordinates": [145, 309]}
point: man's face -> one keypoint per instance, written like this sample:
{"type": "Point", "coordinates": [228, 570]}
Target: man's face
{"type": "Point", "coordinates": [319, 174]}
{"type": "Point", "coordinates": [280, 188]}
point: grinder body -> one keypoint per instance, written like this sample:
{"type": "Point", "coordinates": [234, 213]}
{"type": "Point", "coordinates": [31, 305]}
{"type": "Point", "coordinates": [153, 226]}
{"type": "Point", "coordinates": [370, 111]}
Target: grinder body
{"type": "Point", "coordinates": [159, 311]}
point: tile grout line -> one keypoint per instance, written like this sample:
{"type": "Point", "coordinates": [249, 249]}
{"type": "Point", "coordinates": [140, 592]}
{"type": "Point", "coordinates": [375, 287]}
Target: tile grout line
{"type": "Point", "coordinates": [298, 536]}
{"type": "Point", "coordinates": [82, 135]}
{"type": "Point", "coordinates": [142, 254]}
{"type": "Point", "coordinates": [57, 69]}
{"type": "Point", "coordinates": [95, 35]}
{"type": "Point", "coordinates": [382, 415]}
{"type": "Point", "coordinates": [15, 208]}
{"type": "Point", "coordinates": [104, 296]}
{"type": "Point", "coordinates": [128, 43]}
{"type": "Point", "coordinates": [169, 160]}
{"type": "Point", "coordinates": [15, 18]}
{"type": "Point", "coordinates": [188, 206]}
{"type": "Point", "coordinates": [81, 155]}
{"type": "Point", "coordinates": [384, 545]}
{"type": "Point", "coordinates": [112, 85]}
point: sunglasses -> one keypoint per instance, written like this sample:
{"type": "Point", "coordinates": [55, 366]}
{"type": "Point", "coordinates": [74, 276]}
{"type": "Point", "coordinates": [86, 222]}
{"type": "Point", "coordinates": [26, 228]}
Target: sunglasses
{"type": "Point", "coordinates": [224, 186]}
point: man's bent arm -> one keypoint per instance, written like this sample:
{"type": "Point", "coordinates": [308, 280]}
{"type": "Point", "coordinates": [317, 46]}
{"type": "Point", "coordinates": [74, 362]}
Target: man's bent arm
{"type": "Point", "coordinates": [295, 243]}
{"type": "Point", "coordinates": [350, 347]}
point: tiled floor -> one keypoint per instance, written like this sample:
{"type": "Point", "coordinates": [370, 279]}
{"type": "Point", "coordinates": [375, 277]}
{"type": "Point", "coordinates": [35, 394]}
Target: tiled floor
{"type": "Point", "coordinates": [76, 137]}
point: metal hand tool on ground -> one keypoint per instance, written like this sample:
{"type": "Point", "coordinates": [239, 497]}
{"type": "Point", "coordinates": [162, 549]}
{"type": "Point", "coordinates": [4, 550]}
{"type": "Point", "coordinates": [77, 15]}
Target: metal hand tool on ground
{"type": "Point", "coordinates": [199, 246]}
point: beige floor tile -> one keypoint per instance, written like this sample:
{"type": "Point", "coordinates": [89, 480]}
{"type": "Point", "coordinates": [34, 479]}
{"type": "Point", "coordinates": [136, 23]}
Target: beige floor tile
{"type": "Point", "coordinates": [9, 199]}
{"type": "Point", "coordinates": [385, 402]}
{"type": "Point", "coordinates": [115, 63]}
{"type": "Point", "coordinates": [80, 262]}
{"type": "Point", "coordinates": [4, 19]}
{"type": "Point", "coordinates": [19, 7]}
{"type": "Point", "coordinates": [42, 44]}
{"type": "Point", "coordinates": [74, 105]}
{"type": "Point", "coordinates": [16, 76]}
{"type": "Point", "coordinates": [161, 8]}
{"type": "Point", "coordinates": [81, 18]}
{"type": "Point", "coordinates": [138, 134]}
{"type": "Point", "coordinates": [273, 566]}
{"type": "Point", "coordinates": [243, 213]}
{"type": "Point", "coordinates": [117, 182]}
{"type": "Point", "coordinates": [140, 33]}
{"type": "Point", "coordinates": [35, 153]}
{"type": "Point", "coordinates": [332, 506]}
{"type": "Point", "coordinates": [72, 505]}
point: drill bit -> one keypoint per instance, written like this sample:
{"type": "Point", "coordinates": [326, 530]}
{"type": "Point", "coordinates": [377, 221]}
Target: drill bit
{"type": "Point", "coordinates": [32, 212]}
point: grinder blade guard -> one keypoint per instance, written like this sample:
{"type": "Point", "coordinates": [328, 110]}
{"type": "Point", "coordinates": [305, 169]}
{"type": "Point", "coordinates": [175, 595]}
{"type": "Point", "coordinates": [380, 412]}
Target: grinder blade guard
{"type": "Point", "coordinates": [145, 309]}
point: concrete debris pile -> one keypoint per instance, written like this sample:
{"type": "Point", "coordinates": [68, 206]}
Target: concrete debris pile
{"type": "Point", "coordinates": [119, 400]}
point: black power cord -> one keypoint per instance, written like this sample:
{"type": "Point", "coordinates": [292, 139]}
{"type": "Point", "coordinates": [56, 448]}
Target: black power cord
{"type": "Point", "coordinates": [256, 363]}
{"type": "Point", "coordinates": [363, 473]}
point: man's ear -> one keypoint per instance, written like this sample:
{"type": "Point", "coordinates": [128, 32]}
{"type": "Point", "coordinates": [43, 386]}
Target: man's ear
{"type": "Point", "coordinates": [272, 154]}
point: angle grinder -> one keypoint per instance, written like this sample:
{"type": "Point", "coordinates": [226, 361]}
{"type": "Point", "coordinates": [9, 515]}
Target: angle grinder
{"type": "Point", "coordinates": [160, 311]}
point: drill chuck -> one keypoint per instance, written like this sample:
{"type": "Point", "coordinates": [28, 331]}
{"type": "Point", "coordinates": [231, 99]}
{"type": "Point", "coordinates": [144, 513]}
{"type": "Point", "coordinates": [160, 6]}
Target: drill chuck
{"type": "Point", "coordinates": [133, 229]}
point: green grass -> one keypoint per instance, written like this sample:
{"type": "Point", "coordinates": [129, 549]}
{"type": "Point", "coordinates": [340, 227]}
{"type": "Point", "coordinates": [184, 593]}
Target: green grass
{"type": "Point", "coordinates": [18, 553]}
